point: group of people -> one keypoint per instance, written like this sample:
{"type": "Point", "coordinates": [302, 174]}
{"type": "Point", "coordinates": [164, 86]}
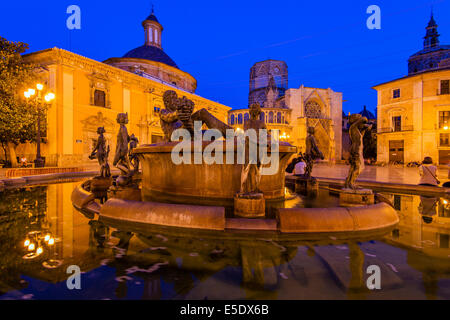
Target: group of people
{"type": "Point", "coordinates": [427, 171]}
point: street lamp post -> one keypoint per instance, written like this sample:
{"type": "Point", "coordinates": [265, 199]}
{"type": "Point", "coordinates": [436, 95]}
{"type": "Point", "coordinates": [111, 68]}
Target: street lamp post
{"type": "Point", "coordinates": [39, 162]}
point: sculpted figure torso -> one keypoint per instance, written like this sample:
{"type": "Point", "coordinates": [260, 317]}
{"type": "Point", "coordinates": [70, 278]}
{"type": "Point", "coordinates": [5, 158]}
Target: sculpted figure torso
{"type": "Point", "coordinates": [101, 152]}
{"type": "Point", "coordinates": [251, 176]}
{"type": "Point", "coordinates": [121, 160]}
{"type": "Point", "coordinates": [178, 113]}
{"type": "Point", "coordinates": [312, 152]}
{"type": "Point", "coordinates": [358, 127]}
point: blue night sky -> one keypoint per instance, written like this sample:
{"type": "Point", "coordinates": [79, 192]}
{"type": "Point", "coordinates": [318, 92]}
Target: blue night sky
{"type": "Point", "coordinates": [325, 43]}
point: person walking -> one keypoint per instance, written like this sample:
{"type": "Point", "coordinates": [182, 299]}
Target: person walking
{"type": "Point", "coordinates": [428, 173]}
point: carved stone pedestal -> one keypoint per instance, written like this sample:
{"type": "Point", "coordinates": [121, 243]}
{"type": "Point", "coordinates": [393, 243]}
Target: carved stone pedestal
{"type": "Point", "coordinates": [99, 187]}
{"type": "Point", "coordinates": [130, 192]}
{"type": "Point", "coordinates": [99, 184]}
{"type": "Point", "coordinates": [350, 197]}
{"type": "Point", "coordinates": [249, 206]}
{"type": "Point", "coordinates": [306, 186]}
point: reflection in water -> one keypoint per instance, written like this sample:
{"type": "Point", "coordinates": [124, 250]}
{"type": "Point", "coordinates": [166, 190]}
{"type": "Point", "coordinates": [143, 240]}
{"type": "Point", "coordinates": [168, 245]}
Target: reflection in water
{"type": "Point", "coordinates": [164, 263]}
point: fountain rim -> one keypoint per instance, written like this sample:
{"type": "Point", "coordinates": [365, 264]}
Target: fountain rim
{"type": "Point", "coordinates": [167, 147]}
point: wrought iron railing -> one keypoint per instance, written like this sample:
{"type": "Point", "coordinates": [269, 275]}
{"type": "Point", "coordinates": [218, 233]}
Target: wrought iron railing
{"type": "Point", "coordinates": [391, 129]}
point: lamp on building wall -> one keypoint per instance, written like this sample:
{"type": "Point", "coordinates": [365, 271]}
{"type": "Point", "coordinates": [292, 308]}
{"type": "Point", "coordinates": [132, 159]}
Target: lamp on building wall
{"type": "Point", "coordinates": [37, 99]}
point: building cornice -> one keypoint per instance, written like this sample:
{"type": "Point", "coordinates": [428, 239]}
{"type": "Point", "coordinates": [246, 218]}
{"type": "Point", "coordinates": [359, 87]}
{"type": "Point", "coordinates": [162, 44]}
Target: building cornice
{"type": "Point", "coordinates": [73, 60]}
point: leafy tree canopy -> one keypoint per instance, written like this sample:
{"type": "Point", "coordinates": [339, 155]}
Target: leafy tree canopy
{"type": "Point", "coordinates": [17, 116]}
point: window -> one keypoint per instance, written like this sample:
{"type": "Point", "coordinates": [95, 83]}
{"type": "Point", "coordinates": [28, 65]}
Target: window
{"type": "Point", "coordinates": [246, 117]}
{"type": "Point", "coordinates": [397, 202]}
{"type": "Point", "coordinates": [397, 123]}
{"type": "Point", "coordinates": [444, 139]}
{"type": "Point", "coordinates": [444, 119]}
{"type": "Point", "coordinates": [240, 118]}
{"type": "Point", "coordinates": [279, 117]}
{"type": "Point", "coordinates": [445, 86]}
{"type": "Point", "coordinates": [150, 35]}
{"type": "Point", "coordinates": [99, 98]}
{"type": "Point", "coordinates": [270, 117]}
{"type": "Point", "coordinates": [232, 119]}
{"type": "Point", "coordinates": [396, 93]}
{"type": "Point", "coordinates": [156, 110]}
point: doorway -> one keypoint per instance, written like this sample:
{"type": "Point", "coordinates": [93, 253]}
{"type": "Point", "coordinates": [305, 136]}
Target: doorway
{"type": "Point", "coordinates": [396, 151]}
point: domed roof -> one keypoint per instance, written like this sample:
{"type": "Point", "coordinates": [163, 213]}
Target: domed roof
{"type": "Point", "coordinates": [366, 113]}
{"type": "Point", "coordinates": [152, 17]}
{"type": "Point", "coordinates": [151, 53]}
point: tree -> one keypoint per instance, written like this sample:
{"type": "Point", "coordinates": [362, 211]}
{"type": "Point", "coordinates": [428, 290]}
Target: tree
{"type": "Point", "coordinates": [17, 116]}
{"type": "Point", "coordinates": [370, 144]}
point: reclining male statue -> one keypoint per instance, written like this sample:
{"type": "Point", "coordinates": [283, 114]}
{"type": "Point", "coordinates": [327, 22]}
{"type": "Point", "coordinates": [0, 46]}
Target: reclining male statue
{"type": "Point", "coordinates": [178, 113]}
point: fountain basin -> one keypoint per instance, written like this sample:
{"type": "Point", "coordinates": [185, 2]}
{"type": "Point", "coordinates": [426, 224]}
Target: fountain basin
{"type": "Point", "coordinates": [204, 184]}
{"type": "Point", "coordinates": [337, 219]}
{"type": "Point", "coordinates": [373, 219]}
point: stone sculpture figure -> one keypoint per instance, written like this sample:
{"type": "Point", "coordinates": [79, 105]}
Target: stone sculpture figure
{"type": "Point", "coordinates": [358, 126]}
{"type": "Point", "coordinates": [251, 175]}
{"type": "Point", "coordinates": [134, 160]}
{"type": "Point", "coordinates": [101, 152]}
{"type": "Point", "coordinates": [249, 202]}
{"type": "Point", "coordinates": [121, 159]}
{"type": "Point", "coordinates": [178, 113]}
{"type": "Point", "coordinates": [312, 152]}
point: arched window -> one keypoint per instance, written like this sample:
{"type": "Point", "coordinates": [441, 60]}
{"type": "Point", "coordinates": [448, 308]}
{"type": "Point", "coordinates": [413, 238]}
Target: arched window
{"type": "Point", "coordinates": [270, 117]}
{"type": "Point", "coordinates": [282, 118]}
{"type": "Point", "coordinates": [279, 117]}
{"type": "Point", "coordinates": [246, 117]}
{"type": "Point", "coordinates": [240, 118]}
{"type": "Point", "coordinates": [150, 35]}
{"type": "Point", "coordinates": [313, 110]}
{"type": "Point", "coordinates": [262, 116]}
{"type": "Point", "coordinates": [232, 119]}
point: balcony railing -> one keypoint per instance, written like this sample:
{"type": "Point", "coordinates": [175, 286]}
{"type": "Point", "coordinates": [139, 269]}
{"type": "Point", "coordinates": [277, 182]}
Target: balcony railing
{"type": "Point", "coordinates": [390, 129]}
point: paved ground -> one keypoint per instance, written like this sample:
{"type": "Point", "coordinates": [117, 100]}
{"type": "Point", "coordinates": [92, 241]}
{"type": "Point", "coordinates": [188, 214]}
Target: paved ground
{"type": "Point", "coordinates": [393, 174]}
{"type": "Point", "coordinates": [88, 167]}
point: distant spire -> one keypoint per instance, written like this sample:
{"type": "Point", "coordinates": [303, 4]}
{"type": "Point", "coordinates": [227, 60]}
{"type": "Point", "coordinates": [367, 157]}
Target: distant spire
{"type": "Point", "coordinates": [432, 35]}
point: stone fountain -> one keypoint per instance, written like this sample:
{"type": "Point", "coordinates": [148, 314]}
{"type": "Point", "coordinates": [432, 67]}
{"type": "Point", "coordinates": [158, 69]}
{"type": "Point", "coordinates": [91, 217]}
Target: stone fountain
{"type": "Point", "coordinates": [230, 194]}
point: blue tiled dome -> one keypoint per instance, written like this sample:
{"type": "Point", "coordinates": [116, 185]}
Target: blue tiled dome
{"type": "Point", "coordinates": [151, 53]}
{"type": "Point", "coordinates": [152, 17]}
{"type": "Point", "coordinates": [366, 113]}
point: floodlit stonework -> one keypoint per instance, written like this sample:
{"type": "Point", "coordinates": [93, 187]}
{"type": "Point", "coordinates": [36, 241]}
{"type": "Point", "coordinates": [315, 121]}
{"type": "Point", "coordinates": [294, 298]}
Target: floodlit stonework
{"type": "Point", "coordinates": [90, 94]}
{"type": "Point", "coordinates": [292, 111]}
{"type": "Point", "coordinates": [414, 111]}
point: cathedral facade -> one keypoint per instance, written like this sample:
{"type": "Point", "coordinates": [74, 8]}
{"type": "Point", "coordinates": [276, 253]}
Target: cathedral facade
{"type": "Point", "coordinates": [90, 94]}
{"type": "Point", "coordinates": [292, 111]}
